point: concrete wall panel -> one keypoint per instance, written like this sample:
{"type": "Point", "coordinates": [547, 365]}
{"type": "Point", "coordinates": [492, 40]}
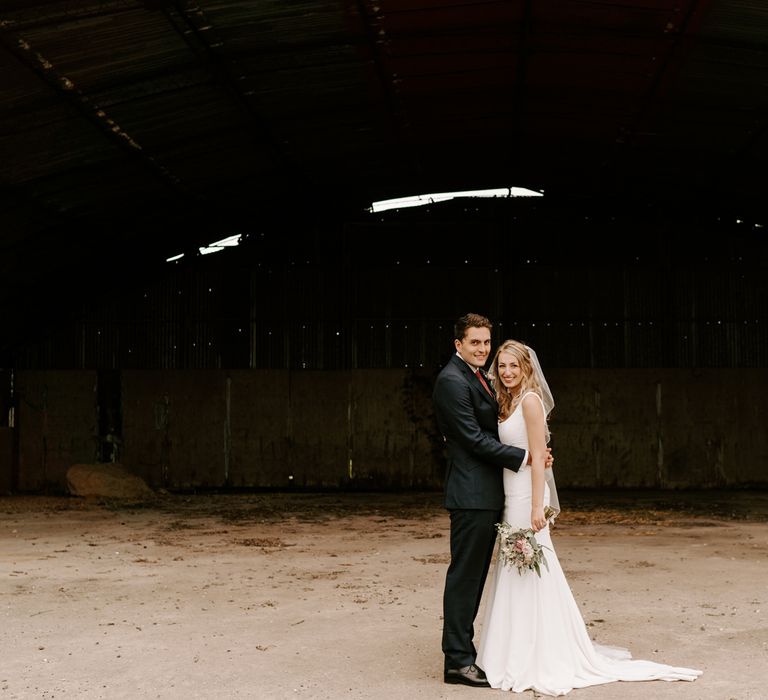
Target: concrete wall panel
{"type": "Point", "coordinates": [375, 429]}
{"type": "Point", "coordinates": [6, 459]}
{"type": "Point", "coordinates": [261, 428]}
{"type": "Point", "coordinates": [363, 429]}
{"type": "Point", "coordinates": [382, 437]}
{"type": "Point", "coordinates": [173, 427]}
{"type": "Point", "coordinates": [714, 427]}
{"type": "Point", "coordinates": [320, 427]}
{"type": "Point", "coordinates": [57, 423]}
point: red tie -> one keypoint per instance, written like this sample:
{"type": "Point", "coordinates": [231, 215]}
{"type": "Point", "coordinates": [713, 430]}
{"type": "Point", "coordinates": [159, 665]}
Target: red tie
{"type": "Point", "coordinates": [483, 382]}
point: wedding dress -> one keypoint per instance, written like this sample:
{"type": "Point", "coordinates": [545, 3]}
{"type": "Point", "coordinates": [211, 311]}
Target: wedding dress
{"type": "Point", "coordinates": [533, 635]}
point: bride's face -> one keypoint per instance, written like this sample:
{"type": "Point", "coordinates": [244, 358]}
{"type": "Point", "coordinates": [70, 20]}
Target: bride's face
{"type": "Point", "coordinates": [509, 371]}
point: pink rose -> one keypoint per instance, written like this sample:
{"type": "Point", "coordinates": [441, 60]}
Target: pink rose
{"type": "Point", "coordinates": [528, 551]}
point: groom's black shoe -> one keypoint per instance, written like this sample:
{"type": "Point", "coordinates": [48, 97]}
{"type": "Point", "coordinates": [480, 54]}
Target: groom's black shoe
{"type": "Point", "coordinates": [469, 675]}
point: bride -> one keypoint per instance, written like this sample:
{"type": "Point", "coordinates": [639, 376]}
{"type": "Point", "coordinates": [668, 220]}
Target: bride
{"type": "Point", "coordinates": [533, 636]}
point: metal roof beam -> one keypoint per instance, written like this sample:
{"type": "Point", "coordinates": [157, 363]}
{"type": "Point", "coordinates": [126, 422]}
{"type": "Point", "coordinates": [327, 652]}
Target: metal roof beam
{"type": "Point", "coordinates": [26, 54]}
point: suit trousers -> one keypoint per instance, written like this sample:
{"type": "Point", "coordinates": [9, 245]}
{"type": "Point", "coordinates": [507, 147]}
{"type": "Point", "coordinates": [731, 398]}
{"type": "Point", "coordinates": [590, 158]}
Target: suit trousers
{"type": "Point", "coordinates": [473, 537]}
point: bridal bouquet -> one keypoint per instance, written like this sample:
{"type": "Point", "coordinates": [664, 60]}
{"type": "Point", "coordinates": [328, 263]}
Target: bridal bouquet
{"type": "Point", "coordinates": [519, 548]}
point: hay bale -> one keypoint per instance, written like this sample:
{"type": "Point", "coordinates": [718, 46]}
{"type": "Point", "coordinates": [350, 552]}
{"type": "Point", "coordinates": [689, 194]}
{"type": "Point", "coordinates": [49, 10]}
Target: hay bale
{"type": "Point", "coordinates": [106, 481]}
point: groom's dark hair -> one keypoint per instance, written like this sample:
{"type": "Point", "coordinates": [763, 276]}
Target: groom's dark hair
{"type": "Point", "coordinates": [470, 321]}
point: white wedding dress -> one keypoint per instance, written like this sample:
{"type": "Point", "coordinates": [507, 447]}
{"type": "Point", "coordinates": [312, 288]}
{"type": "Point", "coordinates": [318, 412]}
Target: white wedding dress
{"type": "Point", "coordinates": [533, 636]}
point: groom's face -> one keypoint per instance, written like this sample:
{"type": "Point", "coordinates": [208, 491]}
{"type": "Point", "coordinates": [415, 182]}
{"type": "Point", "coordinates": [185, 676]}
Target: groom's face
{"type": "Point", "coordinates": [475, 346]}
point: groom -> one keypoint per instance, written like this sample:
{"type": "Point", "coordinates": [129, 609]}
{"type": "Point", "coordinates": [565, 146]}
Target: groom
{"type": "Point", "coordinates": [467, 415]}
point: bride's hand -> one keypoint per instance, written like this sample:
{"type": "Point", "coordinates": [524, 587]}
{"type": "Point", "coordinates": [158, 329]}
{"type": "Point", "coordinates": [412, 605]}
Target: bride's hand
{"type": "Point", "coordinates": [550, 459]}
{"type": "Point", "coordinates": [538, 521]}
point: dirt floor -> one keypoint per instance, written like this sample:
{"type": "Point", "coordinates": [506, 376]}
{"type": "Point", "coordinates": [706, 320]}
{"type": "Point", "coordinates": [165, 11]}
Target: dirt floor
{"type": "Point", "coordinates": [306, 595]}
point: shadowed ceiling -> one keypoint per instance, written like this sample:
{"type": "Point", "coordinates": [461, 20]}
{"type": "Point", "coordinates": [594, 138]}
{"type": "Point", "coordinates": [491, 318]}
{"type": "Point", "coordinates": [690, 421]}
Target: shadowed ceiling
{"type": "Point", "coordinates": [126, 124]}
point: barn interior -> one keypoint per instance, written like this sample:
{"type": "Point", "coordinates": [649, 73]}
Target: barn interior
{"type": "Point", "coordinates": [198, 282]}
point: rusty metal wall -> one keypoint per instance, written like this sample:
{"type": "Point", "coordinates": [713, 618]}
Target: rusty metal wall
{"type": "Point", "coordinates": [628, 291]}
{"type": "Point", "coordinates": [593, 318]}
{"type": "Point", "coordinates": [374, 429]}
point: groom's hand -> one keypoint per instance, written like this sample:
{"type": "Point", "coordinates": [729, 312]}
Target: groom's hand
{"type": "Point", "coordinates": [547, 462]}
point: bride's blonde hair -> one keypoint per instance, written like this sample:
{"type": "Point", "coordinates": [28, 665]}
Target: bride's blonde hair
{"type": "Point", "coordinates": [507, 402]}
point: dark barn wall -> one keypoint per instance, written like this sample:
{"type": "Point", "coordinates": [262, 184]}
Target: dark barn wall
{"type": "Point", "coordinates": [665, 428]}
{"type": "Point", "coordinates": [373, 429]}
{"type": "Point", "coordinates": [56, 420]}
{"type": "Point", "coordinates": [616, 289]}
{"type": "Point", "coordinates": [173, 427]}
{"type": "Point", "coordinates": [6, 460]}
{"type": "Point", "coordinates": [260, 423]}
{"type": "Point", "coordinates": [309, 350]}
{"type": "Point", "coordinates": [7, 434]}
{"type": "Point", "coordinates": [210, 428]}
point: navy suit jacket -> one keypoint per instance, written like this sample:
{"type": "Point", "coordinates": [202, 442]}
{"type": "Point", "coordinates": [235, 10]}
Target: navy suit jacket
{"type": "Point", "coordinates": [468, 419]}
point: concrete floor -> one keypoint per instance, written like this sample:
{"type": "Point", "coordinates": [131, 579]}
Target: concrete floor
{"type": "Point", "coordinates": [328, 595]}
